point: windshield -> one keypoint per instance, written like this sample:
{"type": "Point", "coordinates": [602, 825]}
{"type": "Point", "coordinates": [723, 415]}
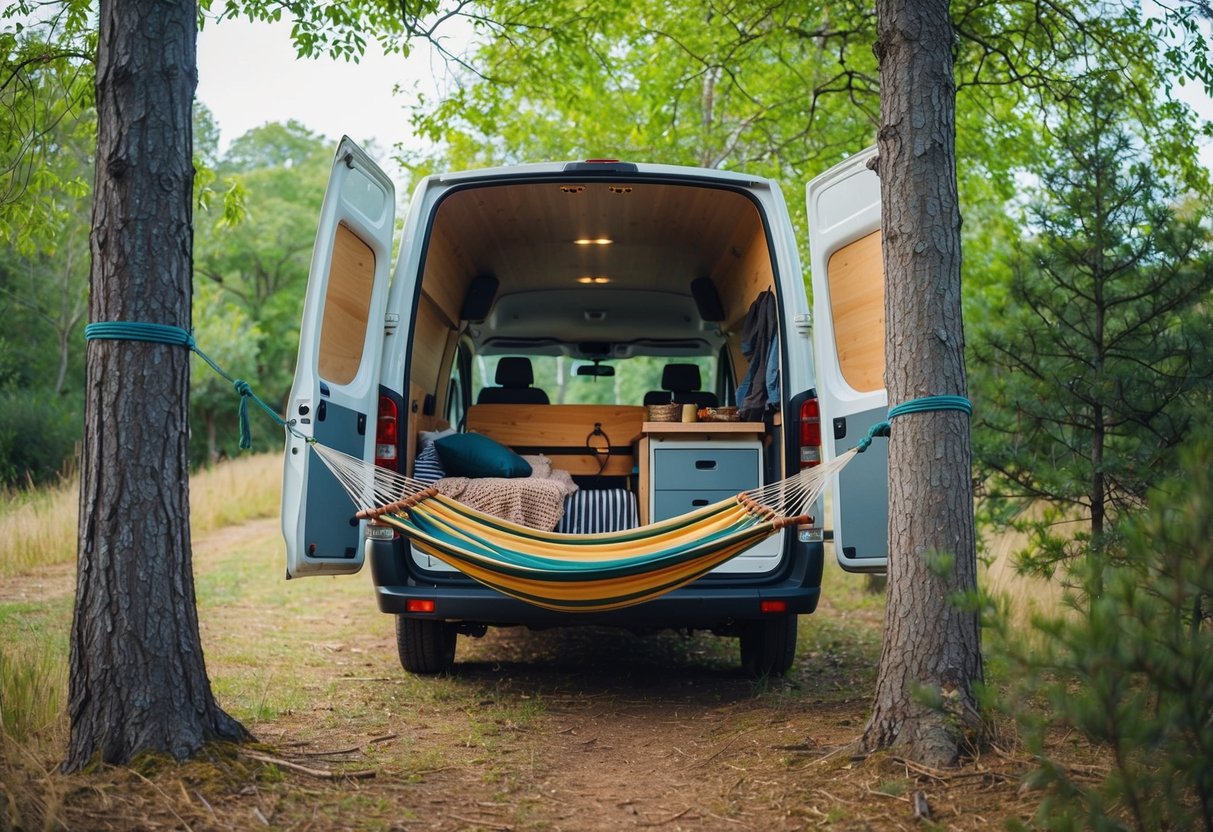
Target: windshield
{"type": "Point", "coordinates": [557, 376]}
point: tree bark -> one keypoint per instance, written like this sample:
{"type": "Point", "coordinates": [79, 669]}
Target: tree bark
{"type": "Point", "coordinates": [932, 648]}
{"type": "Point", "coordinates": [137, 681]}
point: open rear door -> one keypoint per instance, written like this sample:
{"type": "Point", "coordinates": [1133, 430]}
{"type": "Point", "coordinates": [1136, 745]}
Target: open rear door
{"type": "Point", "coordinates": [848, 337]}
{"type": "Point", "coordinates": [336, 389]}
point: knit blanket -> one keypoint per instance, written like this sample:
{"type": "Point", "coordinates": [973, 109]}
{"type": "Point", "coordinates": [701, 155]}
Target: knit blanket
{"type": "Point", "coordinates": [536, 501]}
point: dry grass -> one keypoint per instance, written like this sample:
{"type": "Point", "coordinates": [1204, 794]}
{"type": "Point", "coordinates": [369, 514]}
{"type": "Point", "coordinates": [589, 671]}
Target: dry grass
{"type": "Point", "coordinates": [1024, 596]}
{"type": "Point", "coordinates": [235, 491]}
{"type": "Point", "coordinates": [38, 526]}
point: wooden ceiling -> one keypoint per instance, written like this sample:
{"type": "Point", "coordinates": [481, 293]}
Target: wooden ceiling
{"type": "Point", "coordinates": [663, 237]}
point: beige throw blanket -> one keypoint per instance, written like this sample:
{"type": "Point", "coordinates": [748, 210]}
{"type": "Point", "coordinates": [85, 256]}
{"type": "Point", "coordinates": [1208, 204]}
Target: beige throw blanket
{"type": "Point", "coordinates": [536, 501]}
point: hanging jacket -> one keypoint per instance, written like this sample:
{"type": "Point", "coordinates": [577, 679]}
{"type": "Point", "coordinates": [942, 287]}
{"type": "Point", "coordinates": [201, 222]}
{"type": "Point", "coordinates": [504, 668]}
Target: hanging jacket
{"type": "Point", "coordinates": [761, 383]}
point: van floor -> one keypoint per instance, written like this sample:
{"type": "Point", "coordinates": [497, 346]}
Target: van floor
{"type": "Point", "coordinates": [573, 729]}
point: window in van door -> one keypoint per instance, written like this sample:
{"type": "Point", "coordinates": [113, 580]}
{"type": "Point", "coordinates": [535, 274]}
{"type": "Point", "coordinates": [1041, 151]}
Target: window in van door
{"type": "Point", "coordinates": [856, 282]}
{"type": "Point", "coordinates": [347, 306]}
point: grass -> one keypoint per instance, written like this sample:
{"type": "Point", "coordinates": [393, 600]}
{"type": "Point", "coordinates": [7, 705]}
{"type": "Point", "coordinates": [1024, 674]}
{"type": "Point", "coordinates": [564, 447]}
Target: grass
{"type": "Point", "coordinates": [311, 664]}
{"type": "Point", "coordinates": [37, 529]}
{"type": "Point", "coordinates": [38, 526]}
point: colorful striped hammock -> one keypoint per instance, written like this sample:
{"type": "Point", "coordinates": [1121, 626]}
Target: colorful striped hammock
{"type": "Point", "coordinates": [577, 573]}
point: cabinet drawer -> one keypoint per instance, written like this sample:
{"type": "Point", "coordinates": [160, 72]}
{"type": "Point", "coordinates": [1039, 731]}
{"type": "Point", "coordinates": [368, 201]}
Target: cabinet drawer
{"type": "Point", "coordinates": [668, 504]}
{"type": "Point", "coordinates": [697, 469]}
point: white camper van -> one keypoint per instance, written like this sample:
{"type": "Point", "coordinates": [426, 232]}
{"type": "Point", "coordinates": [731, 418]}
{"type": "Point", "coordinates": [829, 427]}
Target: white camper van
{"type": "Point", "coordinates": [553, 308]}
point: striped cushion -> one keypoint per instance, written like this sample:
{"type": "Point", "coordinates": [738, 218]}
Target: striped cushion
{"type": "Point", "coordinates": [593, 511]}
{"type": "Point", "coordinates": [428, 466]}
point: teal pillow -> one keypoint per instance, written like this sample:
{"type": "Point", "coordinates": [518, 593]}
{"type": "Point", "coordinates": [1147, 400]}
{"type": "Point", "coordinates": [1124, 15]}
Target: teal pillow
{"type": "Point", "coordinates": [474, 455]}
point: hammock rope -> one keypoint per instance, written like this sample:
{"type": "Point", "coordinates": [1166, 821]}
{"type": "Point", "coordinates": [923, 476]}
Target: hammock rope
{"type": "Point", "coordinates": [567, 572]}
{"type": "Point", "coordinates": [176, 336]}
{"type": "Point", "coordinates": [590, 573]}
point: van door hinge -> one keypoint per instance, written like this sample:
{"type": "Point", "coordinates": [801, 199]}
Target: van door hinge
{"type": "Point", "coordinates": [803, 324]}
{"type": "Point", "coordinates": [391, 320]}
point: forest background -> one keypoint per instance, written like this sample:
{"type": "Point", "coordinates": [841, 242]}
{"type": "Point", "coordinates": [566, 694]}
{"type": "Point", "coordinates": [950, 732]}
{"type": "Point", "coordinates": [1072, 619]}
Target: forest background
{"type": "Point", "coordinates": [763, 88]}
{"type": "Point", "coordinates": [1088, 249]}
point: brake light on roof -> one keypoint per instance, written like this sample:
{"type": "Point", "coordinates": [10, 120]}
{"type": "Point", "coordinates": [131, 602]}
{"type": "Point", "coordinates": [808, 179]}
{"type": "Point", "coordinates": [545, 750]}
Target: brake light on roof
{"type": "Point", "coordinates": [810, 433]}
{"type": "Point", "coordinates": [387, 433]}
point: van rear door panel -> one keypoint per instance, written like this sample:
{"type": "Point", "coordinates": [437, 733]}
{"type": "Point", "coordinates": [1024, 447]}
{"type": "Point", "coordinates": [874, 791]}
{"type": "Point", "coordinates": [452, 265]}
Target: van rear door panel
{"type": "Point", "coordinates": [849, 340]}
{"type": "Point", "coordinates": [864, 511]}
{"type": "Point", "coordinates": [336, 388]}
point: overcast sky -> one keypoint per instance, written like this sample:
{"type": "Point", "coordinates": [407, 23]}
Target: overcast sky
{"type": "Point", "coordinates": [248, 75]}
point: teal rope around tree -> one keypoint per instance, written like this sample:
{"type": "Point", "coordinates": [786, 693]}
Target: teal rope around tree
{"type": "Point", "coordinates": [175, 335]}
{"type": "Point", "coordinates": [921, 405]}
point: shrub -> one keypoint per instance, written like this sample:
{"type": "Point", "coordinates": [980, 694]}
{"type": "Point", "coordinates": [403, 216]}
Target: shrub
{"type": "Point", "coordinates": [1129, 666]}
{"type": "Point", "coordinates": [39, 434]}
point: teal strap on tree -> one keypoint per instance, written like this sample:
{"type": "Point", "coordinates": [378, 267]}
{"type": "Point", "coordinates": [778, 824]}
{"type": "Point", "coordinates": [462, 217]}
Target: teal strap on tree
{"type": "Point", "coordinates": [922, 405]}
{"type": "Point", "coordinates": [175, 335]}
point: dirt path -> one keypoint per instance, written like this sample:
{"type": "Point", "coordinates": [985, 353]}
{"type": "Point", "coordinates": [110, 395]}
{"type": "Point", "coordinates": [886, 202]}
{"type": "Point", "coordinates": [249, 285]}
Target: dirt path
{"type": "Point", "coordinates": [577, 729]}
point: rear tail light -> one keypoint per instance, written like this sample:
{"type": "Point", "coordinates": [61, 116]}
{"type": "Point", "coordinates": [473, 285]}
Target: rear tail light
{"type": "Point", "coordinates": [810, 433]}
{"type": "Point", "coordinates": [387, 433]}
{"type": "Point", "coordinates": [772, 607]}
{"type": "Point", "coordinates": [420, 605]}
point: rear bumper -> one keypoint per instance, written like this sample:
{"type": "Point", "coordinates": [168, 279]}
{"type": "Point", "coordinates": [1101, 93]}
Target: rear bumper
{"type": "Point", "coordinates": [711, 603]}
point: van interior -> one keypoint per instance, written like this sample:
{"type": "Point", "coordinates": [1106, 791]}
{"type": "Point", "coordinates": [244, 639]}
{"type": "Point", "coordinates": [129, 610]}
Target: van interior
{"type": "Point", "coordinates": [552, 314]}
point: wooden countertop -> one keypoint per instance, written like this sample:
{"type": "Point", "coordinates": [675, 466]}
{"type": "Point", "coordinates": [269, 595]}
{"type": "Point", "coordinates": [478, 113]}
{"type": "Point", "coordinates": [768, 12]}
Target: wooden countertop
{"type": "Point", "coordinates": [702, 427]}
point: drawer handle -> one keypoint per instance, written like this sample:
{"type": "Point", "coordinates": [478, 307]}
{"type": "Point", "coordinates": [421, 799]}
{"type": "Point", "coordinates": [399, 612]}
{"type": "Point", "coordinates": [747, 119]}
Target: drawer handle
{"type": "Point", "coordinates": [705, 464]}
{"type": "Point", "coordinates": [699, 503]}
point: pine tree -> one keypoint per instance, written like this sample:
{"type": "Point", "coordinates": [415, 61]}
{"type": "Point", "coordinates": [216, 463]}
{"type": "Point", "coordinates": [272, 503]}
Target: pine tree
{"type": "Point", "coordinates": [1090, 372]}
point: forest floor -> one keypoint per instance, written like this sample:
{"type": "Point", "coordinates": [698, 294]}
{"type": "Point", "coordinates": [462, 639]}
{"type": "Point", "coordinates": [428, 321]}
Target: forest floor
{"type": "Point", "coordinates": [576, 729]}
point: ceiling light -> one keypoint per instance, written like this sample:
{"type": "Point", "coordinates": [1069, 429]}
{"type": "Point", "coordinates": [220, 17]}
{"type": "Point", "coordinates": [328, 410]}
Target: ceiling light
{"type": "Point", "coordinates": [592, 241]}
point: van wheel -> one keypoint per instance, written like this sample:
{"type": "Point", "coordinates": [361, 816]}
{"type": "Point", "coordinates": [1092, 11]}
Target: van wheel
{"type": "Point", "coordinates": [425, 646]}
{"type": "Point", "coordinates": [768, 646]}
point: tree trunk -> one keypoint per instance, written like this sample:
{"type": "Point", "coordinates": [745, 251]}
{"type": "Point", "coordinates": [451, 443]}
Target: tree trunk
{"type": "Point", "coordinates": [138, 682]}
{"type": "Point", "coordinates": [932, 650]}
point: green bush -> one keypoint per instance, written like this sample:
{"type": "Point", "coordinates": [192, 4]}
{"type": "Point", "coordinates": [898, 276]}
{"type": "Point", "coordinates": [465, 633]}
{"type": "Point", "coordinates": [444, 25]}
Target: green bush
{"type": "Point", "coordinates": [39, 435]}
{"type": "Point", "coordinates": [1129, 666]}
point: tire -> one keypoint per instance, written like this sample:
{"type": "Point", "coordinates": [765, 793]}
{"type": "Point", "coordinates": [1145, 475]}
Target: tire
{"type": "Point", "coordinates": [768, 646]}
{"type": "Point", "coordinates": [425, 646]}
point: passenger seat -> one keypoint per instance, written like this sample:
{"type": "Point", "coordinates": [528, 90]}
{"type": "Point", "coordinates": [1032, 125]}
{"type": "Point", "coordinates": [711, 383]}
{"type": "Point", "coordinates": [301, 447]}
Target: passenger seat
{"type": "Point", "coordinates": [515, 376]}
{"type": "Point", "coordinates": [680, 383]}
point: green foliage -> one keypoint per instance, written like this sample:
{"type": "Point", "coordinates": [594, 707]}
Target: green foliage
{"type": "Point", "coordinates": [46, 92]}
{"type": "Point", "coordinates": [256, 268]}
{"type": "Point", "coordinates": [1129, 666]}
{"type": "Point", "coordinates": [341, 30]}
{"type": "Point", "coordinates": [226, 333]}
{"type": "Point", "coordinates": [39, 432]}
{"type": "Point", "coordinates": [1096, 360]}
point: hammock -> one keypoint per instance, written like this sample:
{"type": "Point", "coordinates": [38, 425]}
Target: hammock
{"type": "Point", "coordinates": [577, 573]}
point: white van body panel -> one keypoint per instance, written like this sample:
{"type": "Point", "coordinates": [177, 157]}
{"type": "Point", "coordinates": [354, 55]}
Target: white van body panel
{"type": "Point", "coordinates": [335, 392]}
{"type": "Point", "coordinates": [844, 225]}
